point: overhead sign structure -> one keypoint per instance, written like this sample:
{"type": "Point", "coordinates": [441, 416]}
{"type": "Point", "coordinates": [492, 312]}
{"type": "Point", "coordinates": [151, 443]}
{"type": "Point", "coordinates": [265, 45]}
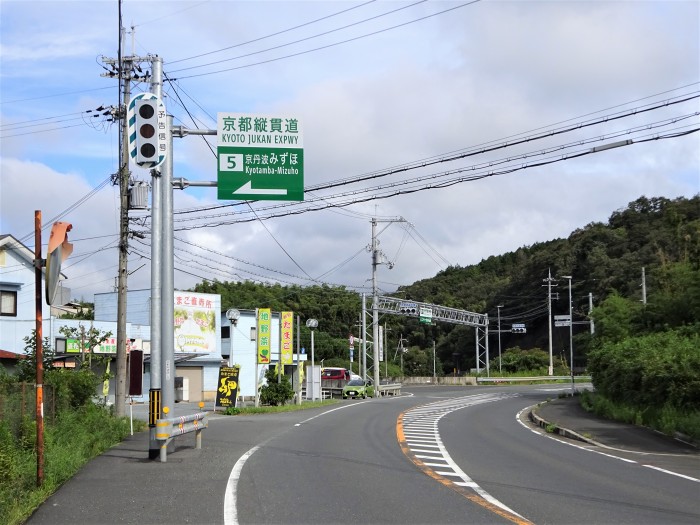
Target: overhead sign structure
{"type": "Point", "coordinates": [259, 157]}
{"type": "Point", "coordinates": [148, 144]}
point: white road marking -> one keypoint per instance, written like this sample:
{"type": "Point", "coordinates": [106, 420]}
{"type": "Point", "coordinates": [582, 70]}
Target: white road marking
{"type": "Point", "coordinates": [230, 511]}
{"type": "Point", "coordinates": [427, 417]}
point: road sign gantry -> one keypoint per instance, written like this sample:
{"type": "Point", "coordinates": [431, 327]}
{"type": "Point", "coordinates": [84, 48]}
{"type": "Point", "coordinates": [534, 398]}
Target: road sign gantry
{"type": "Point", "coordinates": [393, 305]}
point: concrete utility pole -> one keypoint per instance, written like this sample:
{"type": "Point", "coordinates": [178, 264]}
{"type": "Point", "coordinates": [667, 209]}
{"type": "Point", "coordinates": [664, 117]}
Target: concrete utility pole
{"type": "Point", "coordinates": [123, 69]}
{"type": "Point", "coordinates": [644, 286]}
{"type": "Point", "coordinates": [377, 259]}
{"type": "Point", "coordinates": [549, 285]}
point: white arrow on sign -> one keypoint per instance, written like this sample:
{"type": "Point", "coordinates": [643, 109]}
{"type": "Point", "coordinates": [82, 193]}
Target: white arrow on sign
{"type": "Point", "coordinates": [247, 188]}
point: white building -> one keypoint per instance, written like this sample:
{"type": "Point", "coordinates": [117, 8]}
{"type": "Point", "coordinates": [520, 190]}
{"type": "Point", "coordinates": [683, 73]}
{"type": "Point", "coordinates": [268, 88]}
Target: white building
{"type": "Point", "coordinates": [198, 363]}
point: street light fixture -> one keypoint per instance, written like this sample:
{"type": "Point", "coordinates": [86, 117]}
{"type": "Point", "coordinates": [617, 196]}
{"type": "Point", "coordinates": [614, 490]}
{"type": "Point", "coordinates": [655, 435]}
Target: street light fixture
{"type": "Point", "coordinates": [312, 324]}
{"type": "Point", "coordinates": [571, 335]}
{"type": "Point", "coordinates": [499, 337]}
{"type": "Point", "coordinates": [233, 316]}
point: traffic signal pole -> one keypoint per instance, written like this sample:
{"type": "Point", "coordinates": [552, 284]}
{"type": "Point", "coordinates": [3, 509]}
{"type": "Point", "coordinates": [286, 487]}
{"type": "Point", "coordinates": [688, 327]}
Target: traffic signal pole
{"type": "Point", "coordinates": [155, 391]}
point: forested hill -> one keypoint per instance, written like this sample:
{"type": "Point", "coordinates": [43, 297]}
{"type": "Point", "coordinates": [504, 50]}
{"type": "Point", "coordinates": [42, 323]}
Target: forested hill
{"type": "Point", "coordinates": [659, 236]}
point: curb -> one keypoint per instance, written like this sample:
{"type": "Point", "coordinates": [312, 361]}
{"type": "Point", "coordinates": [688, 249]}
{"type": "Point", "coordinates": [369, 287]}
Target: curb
{"type": "Point", "coordinates": [556, 429]}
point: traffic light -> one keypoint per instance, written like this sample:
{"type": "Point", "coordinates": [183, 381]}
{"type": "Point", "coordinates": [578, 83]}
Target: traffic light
{"type": "Point", "coordinates": [58, 251]}
{"type": "Point", "coordinates": [408, 308]}
{"type": "Point", "coordinates": [518, 330]}
{"type": "Point", "coordinates": [150, 130]}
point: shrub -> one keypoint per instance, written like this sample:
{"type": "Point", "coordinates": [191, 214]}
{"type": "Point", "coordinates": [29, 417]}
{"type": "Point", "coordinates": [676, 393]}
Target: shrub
{"type": "Point", "coordinates": [274, 393]}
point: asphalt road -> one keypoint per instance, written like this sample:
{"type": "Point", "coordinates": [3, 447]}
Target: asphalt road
{"type": "Point", "coordinates": [437, 455]}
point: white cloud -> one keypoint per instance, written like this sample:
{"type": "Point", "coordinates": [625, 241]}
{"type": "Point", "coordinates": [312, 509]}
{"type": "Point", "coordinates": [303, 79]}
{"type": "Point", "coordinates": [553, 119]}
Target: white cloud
{"type": "Point", "coordinates": [472, 76]}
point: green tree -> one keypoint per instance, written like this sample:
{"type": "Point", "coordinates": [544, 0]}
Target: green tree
{"type": "Point", "coordinates": [26, 367]}
{"type": "Point", "coordinates": [274, 392]}
{"type": "Point", "coordinates": [87, 339]}
{"type": "Point", "coordinates": [616, 318]}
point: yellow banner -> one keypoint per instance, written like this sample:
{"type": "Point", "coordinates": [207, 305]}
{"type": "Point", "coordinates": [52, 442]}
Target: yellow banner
{"type": "Point", "coordinates": [287, 337]}
{"type": "Point", "coordinates": [264, 335]}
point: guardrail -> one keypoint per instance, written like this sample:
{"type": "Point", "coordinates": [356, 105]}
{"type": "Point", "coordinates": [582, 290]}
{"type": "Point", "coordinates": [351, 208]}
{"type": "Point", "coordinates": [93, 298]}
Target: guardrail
{"type": "Point", "coordinates": [538, 378]}
{"type": "Point", "coordinates": [392, 389]}
{"type": "Point", "coordinates": [169, 428]}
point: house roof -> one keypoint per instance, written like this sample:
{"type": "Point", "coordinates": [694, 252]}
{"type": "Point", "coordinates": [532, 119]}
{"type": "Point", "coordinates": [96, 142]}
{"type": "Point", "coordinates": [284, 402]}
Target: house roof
{"type": "Point", "coordinates": [4, 354]}
{"type": "Point", "coordinates": [9, 242]}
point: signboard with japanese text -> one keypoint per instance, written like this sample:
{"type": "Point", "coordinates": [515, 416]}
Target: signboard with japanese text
{"type": "Point", "coordinates": [426, 315]}
{"type": "Point", "coordinates": [259, 157]}
{"type": "Point", "coordinates": [264, 335]}
{"type": "Point", "coordinates": [108, 346]}
{"type": "Point", "coordinates": [287, 337]}
{"type": "Point", "coordinates": [194, 318]}
{"type": "Point", "coordinates": [227, 390]}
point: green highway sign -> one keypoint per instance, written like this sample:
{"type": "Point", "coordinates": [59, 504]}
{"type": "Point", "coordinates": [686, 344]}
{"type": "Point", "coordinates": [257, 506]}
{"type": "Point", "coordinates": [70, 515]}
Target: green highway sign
{"type": "Point", "coordinates": [259, 157]}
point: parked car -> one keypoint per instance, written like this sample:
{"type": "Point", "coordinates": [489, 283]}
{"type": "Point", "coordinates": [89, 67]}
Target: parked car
{"type": "Point", "coordinates": [355, 388]}
{"type": "Point", "coordinates": [330, 373]}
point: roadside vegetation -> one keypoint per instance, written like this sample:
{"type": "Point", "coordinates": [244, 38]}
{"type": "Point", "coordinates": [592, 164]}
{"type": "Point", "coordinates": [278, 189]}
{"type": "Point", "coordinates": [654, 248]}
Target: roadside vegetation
{"type": "Point", "coordinates": [76, 429]}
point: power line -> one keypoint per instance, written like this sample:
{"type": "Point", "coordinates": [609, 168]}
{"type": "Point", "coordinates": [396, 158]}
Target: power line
{"type": "Point", "coordinates": [299, 40]}
{"type": "Point", "coordinates": [273, 34]}
{"type": "Point", "coordinates": [327, 46]}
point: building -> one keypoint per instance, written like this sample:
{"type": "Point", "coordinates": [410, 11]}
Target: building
{"type": "Point", "coordinates": [204, 338]}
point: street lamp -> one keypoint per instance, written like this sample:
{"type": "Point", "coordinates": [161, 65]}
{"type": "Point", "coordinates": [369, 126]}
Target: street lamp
{"type": "Point", "coordinates": [498, 308]}
{"type": "Point", "coordinates": [571, 335]}
{"type": "Point", "coordinates": [311, 324]}
{"type": "Point", "coordinates": [233, 316]}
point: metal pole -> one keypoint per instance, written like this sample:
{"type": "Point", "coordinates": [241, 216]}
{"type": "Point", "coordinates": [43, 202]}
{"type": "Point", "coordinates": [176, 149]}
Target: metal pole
{"type": "Point", "coordinates": [167, 263]}
{"type": "Point", "coordinates": [500, 371]}
{"type": "Point", "coordinates": [154, 395]}
{"type": "Point", "coordinates": [299, 366]}
{"type": "Point", "coordinates": [571, 338]}
{"type": "Point", "coordinates": [434, 372]}
{"type": "Point", "coordinates": [364, 336]}
{"type": "Point", "coordinates": [313, 370]}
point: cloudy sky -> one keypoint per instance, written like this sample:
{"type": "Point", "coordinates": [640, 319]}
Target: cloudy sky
{"type": "Point", "coordinates": [471, 122]}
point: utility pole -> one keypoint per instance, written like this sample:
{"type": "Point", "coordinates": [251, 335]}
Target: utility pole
{"type": "Point", "coordinates": [499, 338]}
{"type": "Point", "coordinates": [644, 286]}
{"type": "Point", "coordinates": [122, 68]}
{"type": "Point", "coordinates": [590, 309]}
{"type": "Point", "coordinates": [549, 285]}
{"type": "Point", "coordinates": [377, 259]}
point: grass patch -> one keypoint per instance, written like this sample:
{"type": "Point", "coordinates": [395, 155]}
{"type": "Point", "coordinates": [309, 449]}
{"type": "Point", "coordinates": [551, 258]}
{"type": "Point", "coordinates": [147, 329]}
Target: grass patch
{"type": "Point", "coordinates": [71, 441]}
{"type": "Point", "coordinates": [666, 419]}
{"type": "Point", "coordinates": [272, 409]}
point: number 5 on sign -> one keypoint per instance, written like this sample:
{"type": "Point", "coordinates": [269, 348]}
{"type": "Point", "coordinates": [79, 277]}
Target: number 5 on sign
{"type": "Point", "coordinates": [230, 162]}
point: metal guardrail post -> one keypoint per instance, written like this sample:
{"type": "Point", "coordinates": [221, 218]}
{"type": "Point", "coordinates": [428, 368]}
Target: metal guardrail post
{"type": "Point", "coordinates": [166, 429]}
